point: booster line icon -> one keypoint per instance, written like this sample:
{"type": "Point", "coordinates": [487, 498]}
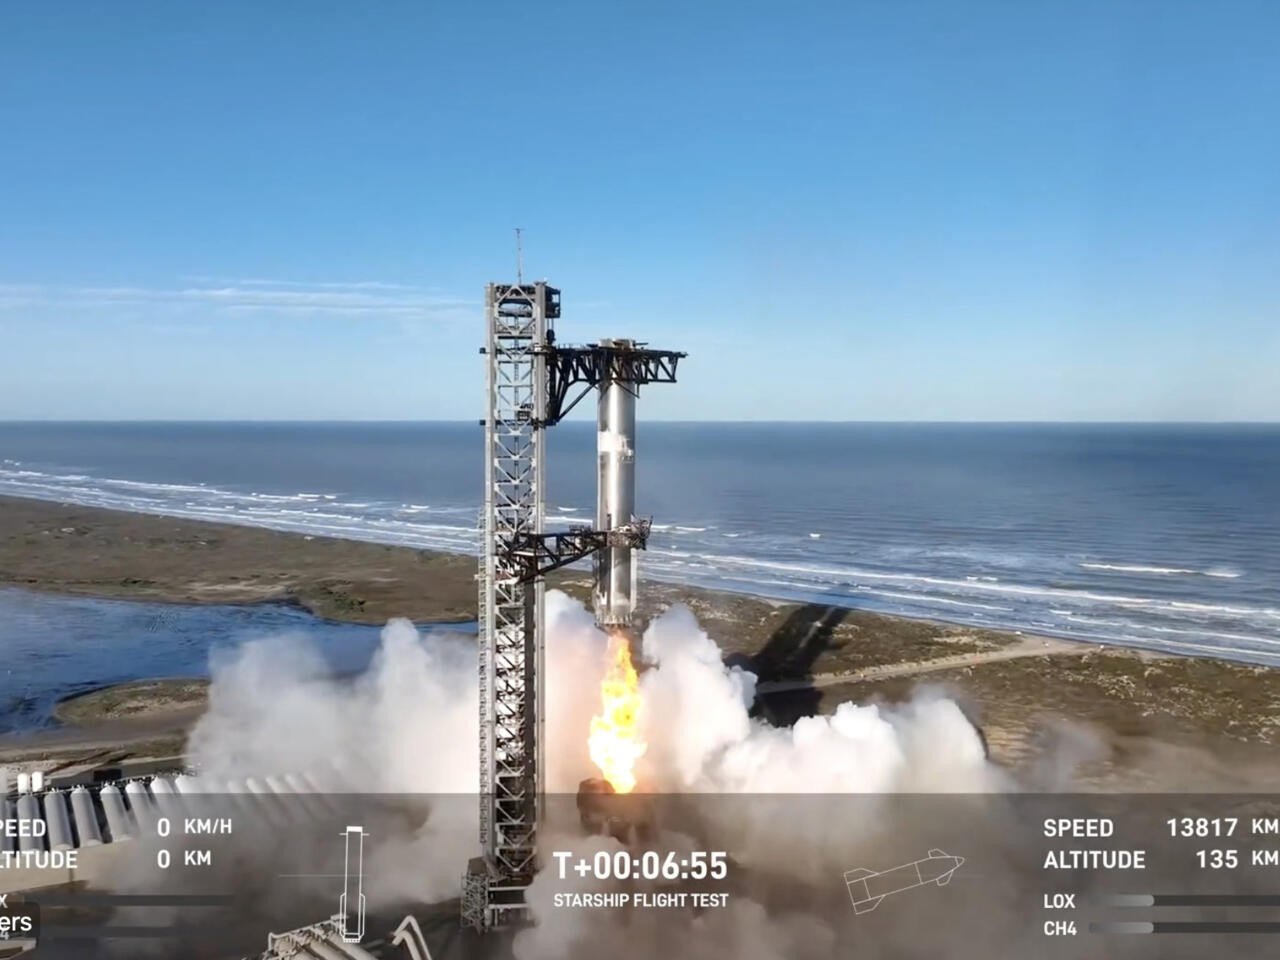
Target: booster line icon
{"type": "Point", "coordinates": [868, 887]}
{"type": "Point", "coordinates": [351, 904]}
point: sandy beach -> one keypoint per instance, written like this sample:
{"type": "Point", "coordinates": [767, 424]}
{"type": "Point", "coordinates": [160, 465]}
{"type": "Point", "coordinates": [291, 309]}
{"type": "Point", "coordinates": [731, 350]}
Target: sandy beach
{"type": "Point", "coordinates": [1115, 716]}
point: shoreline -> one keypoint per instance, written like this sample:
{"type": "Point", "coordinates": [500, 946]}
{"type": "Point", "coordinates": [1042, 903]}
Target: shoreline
{"type": "Point", "coordinates": [1020, 687]}
{"type": "Point", "coordinates": [114, 554]}
{"type": "Point", "coordinates": [93, 545]}
{"type": "Point", "coordinates": [321, 595]}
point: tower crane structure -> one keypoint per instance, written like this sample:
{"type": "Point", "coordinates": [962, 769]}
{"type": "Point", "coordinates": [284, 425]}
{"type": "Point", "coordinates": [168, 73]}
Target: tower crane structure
{"type": "Point", "coordinates": [532, 383]}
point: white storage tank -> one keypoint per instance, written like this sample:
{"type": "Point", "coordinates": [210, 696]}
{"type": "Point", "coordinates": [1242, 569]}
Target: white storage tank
{"type": "Point", "coordinates": [144, 811]}
{"type": "Point", "coordinates": [312, 801]}
{"type": "Point", "coordinates": [186, 784]}
{"type": "Point", "coordinates": [309, 784]}
{"type": "Point", "coordinates": [237, 803]}
{"type": "Point", "coordinates": [7, 843]}
{"type": "Point", "coordinates": [86, 818]}
{"type": "Point", "coordinates": [29, 809]}
{"type": "Point", "coordinates": [59, 823]}
{"type": "Point", "coordinates": [298, 804]}
{"type": "Point", "coordinates": [168, 802]}
{"type": "Point", "coordinates": [190, 788]}
{"type": "Point", "coordinates": [264, 802]}
{"type": "Point", "coordinates": [119, 822]}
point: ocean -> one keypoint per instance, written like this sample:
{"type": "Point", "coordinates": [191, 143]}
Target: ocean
{"type": "Point", "coordinates": [1164, 537]}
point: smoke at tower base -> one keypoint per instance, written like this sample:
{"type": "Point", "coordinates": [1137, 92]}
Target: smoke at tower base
{"type": "Point", "coordinates": [695, 720]}
{"type": "Point", "coordinates": [408, 725]}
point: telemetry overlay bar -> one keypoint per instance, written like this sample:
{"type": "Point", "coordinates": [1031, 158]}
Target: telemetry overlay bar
{"type": "Point", "coordinates": [62, 899]}
{"type": "Point", "coordinates": [1190, 900]}
{"type": "Point", "coordinates": [1186, 926]}
{"type": "Point", "coordinates": [121, 932]}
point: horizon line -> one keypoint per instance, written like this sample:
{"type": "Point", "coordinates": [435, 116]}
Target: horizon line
{"type": "Point", "coordinates": [587, 420]}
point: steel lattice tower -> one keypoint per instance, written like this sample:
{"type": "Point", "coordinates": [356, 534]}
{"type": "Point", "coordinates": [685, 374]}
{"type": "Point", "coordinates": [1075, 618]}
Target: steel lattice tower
{"type": "Point", "coordinates": [530, 380]}
{"type": "Point", "coordinates": [511, 606]}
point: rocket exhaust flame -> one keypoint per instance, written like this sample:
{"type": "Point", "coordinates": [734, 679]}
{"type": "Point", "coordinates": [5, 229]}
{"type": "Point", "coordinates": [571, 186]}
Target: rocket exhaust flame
{"type": "Point", "coordinates": [615, 741]}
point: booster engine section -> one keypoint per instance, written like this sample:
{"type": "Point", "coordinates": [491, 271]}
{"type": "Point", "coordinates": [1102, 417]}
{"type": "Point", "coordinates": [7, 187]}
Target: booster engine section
{"type": "Point", "coordinates": [615, 588]}
{"type": "Point", "coordinates": [627, 817]}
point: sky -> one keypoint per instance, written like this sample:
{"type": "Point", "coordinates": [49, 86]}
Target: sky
{"type": "Point", "coordinates": [842, 211]}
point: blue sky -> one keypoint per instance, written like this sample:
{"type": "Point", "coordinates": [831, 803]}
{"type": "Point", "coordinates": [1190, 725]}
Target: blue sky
{"type": "Point", "coordinates": [940, 211]}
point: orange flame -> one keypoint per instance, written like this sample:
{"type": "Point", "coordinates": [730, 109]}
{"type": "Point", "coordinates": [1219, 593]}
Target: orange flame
{"type": "Point", "coordinates": [615, 740]}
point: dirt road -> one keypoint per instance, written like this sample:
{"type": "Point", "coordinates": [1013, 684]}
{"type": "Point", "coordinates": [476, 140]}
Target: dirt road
{"type": "Point", "coordinates": [1030, 647]}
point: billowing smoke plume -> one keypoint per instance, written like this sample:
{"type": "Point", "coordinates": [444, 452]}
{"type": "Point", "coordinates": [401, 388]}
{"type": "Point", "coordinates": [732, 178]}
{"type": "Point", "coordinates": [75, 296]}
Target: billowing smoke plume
{"type": "Point", "coordinates": [702, 737]}
{"type": "Point", "coordinates": [408, 725]}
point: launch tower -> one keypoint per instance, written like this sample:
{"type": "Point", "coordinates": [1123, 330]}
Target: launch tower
{"type": "Point", "coordinates": [532, 383]}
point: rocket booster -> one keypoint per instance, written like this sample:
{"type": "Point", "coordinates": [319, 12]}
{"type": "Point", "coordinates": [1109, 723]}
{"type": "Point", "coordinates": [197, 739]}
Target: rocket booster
{"type": "Point", "coordinates": [615, 586]}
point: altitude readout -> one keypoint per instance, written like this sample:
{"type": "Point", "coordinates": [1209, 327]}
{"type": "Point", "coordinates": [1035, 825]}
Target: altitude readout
{"type": "Point", "coordinates": [649, 865]}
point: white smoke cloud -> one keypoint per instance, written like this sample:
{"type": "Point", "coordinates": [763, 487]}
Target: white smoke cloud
{"type": "Point", "coordinates": [693, 707]}
{"type": "Point", "coordinates": [702, 739]}
{"type": "Point", "coordinates": [701, 736]}
{"type": "Point", "coordinates": [408, 725]}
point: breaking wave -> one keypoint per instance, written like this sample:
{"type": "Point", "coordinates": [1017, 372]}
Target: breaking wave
{"type": "Point", "coordinates": [1177, 608]}
{"type": "Point", "coordinates": [1218, 572]}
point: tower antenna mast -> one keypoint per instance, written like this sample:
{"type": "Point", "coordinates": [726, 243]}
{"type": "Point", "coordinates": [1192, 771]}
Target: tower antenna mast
{"type": "Point", "coordinates": [519, 256]}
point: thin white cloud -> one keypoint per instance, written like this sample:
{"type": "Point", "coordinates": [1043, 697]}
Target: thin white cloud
{"type": "Point", "coordinates": [327, 285]}
{"type": "Point", "coordinates": [19, 295]}
{"type": "Point", "coordinates": [367, 299]}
